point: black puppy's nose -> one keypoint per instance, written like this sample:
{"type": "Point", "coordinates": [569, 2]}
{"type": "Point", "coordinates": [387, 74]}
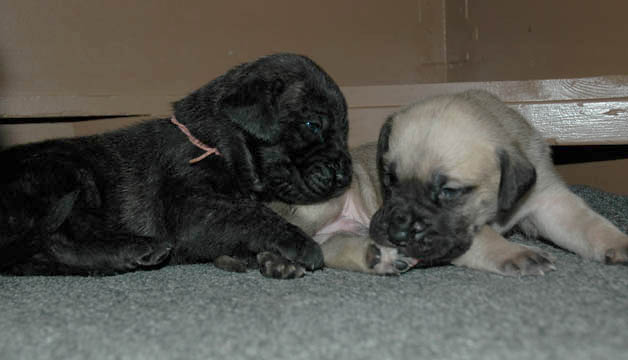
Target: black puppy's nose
{"type": "Point", "coordinates": [343, 172]}
{"type": "Point", "coordinates": [418, 231]}
{"type": "Point", "coordinates": [399, 237]}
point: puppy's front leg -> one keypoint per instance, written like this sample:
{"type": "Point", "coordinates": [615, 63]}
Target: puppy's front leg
{"type": "Point", "coordinates": [348, 251]}
{"type": "Point", "coordinates": [492, 252]}
{"type": "Point", "coordinates": [564, 218]}
{"type": "Point", "coordinates": [214, 227]}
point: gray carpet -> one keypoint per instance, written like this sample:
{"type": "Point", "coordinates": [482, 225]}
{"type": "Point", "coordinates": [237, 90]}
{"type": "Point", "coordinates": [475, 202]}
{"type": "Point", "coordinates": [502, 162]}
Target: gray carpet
{"type": "Point", "coordinates": [579, 311]}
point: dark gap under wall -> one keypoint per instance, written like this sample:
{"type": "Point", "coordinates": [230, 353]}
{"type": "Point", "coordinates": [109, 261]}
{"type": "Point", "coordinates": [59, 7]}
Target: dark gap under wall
{"type": "Point", "coordinates": [587, 153]}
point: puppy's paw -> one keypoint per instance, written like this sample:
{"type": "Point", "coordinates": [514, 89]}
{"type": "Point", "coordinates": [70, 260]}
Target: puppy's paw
{"type": "Point", "coordinates": [277, 267]}
{"type": "Point", "coordinates": [311, 256]}
{"type": "Point", "coordinates": [387, 261]}
{"type": "Point", "coordinates": [303, 251]}
{"type": "Point", "coordinates": [527, 261]}
{"type": "Point", "coordinates": [610, 246]}
{"type": "Point", "coordinates": [616, 256]}
{"type": "Point", "coordinates": [148, 255]}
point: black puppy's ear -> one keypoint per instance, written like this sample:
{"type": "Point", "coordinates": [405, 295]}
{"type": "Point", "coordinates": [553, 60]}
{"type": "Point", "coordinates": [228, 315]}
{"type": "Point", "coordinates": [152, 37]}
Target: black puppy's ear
{"type": "Point", "coordinates": [253, 108]}
{"type": "Point", "coordinates": [382, 149]}
{"type": "Point", "coordinates": [517, 177]}
{"type": "Point", "coordinates": [59, 212]}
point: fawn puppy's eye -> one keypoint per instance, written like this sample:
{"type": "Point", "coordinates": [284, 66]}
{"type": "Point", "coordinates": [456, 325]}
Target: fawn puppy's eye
{"type": "Point", "coordinates": [447, 193]}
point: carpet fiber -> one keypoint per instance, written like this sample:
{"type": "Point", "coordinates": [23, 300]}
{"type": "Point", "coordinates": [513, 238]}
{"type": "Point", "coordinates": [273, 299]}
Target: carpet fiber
{"type": "Point", "coordinates": [579, 311]}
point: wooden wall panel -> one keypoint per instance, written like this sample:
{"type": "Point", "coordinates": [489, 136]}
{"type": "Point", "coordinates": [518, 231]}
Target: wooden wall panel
{"type": "Point", "coordinates": [115, 57]}
{"type": "Point", "coordinates": [566, 111]}
{"type": "Point", "coordinates": [535, 39]}
{"type": "Point", "coordinates": [114, 47]}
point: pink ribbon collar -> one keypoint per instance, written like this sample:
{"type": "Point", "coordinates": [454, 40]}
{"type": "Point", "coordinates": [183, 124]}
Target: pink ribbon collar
{"type": "Point", "coordinates": [196, 142]}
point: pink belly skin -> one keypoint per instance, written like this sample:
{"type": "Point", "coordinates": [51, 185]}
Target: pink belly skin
{"type": "Point", "coordinates": [353, 219]}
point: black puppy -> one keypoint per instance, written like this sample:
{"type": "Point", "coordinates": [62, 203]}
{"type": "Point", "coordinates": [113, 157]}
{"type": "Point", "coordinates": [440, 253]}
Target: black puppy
{"type": "Point", "coordinates": [141, 197]}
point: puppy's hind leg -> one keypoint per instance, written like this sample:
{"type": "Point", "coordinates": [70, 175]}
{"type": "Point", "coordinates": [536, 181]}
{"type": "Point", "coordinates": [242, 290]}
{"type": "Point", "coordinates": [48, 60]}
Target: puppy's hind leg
{"type": "Point", "coordinates": [83, 246]}
{"type": "Point", "coordinates": [117, 254]}
{"type": "Point", "coordinates": [564, 218]}
{"type": "Point", "coordinates": [22, 231]}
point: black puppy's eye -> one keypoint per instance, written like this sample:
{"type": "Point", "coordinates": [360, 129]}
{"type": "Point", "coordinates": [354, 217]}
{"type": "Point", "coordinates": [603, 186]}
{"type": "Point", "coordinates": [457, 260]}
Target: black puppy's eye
{"type": "Point", "coordinates": [314, 126]}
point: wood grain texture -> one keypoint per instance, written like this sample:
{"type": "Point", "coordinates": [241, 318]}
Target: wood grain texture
{"type": "Point", "coordinates": [580, 122]}
{"type": "Point", "coordinates": [563, 123]}
{"type": "Point", "coordinates": [592, 88]}
{"type": "Point", "coordinates": [569, 111]}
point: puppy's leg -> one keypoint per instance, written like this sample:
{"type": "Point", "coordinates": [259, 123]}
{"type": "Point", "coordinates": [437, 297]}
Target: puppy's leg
{"type": "Point", "coordinates": [59, 254]}
{"type": "Point", "coordinates": [214, 227]}
{"type": "Point", "coordinates": [564, 218]}
{"type": "Point", "coordinates": [275, 266]}
{"type": "Point", "coordinates": [347, 251]}
{"type": "Point", "coordinates": [492, 252]}
{"type": "Point", "coordinates": [73, 241]}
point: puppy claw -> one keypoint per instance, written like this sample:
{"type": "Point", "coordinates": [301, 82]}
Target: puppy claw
{"type": "Point", "coordinates": [387, 261]}
{"type": "Point", "coordinates": [616, 256]}
{"type": "Point", "coordinates": [528, 262]}
{"type": "Point", "coordinates": [401, 265]}
{"type": "Point", "coordinates": [277, 267]}
{"type": "Point", "coordinates": [154, 256]}
{"type": "Point", "coordinates": [309, 256]}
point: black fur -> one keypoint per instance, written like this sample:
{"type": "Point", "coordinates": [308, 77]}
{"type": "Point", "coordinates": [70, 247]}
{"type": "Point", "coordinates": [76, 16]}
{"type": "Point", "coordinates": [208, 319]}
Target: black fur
{"type": "Point", "coordinates": [385, 171]}
{"type": "Point", "coordinates": [518, 175]}
{"type": "Point", "coordinates": [130, 199]}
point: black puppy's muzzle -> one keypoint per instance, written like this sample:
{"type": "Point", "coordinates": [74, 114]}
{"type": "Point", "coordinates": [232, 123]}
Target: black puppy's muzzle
{"type": "Point", "coordinates": [329, 179]}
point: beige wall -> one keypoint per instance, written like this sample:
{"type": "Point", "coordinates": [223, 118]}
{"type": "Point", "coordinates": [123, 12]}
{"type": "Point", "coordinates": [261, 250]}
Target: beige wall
{"type": "Point", "coordinates": [535, 39]}
{"type": "Point", "coordinates": [119, 57]}
{"type": "Point", "coordinates": [69, 47]}
{"type": "Point", "coordinates": [168, 47]}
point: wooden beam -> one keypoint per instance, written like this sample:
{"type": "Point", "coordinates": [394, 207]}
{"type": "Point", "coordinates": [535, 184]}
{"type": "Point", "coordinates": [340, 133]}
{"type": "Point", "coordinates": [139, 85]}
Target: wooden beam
{"type": "Point", "coordinates": [570, 111]}
{"type": "Point", "coordinates": [591, 88]}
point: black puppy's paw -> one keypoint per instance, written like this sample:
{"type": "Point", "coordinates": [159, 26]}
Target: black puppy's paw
{"type": "Point", "coordinates": [277, 267]}
{"type": "Point", "coordinates": [146, 254]}
{"type": "Point", "coordinates": [311, 256]}
{"type": "Point", "coordinates": [303, 251]}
